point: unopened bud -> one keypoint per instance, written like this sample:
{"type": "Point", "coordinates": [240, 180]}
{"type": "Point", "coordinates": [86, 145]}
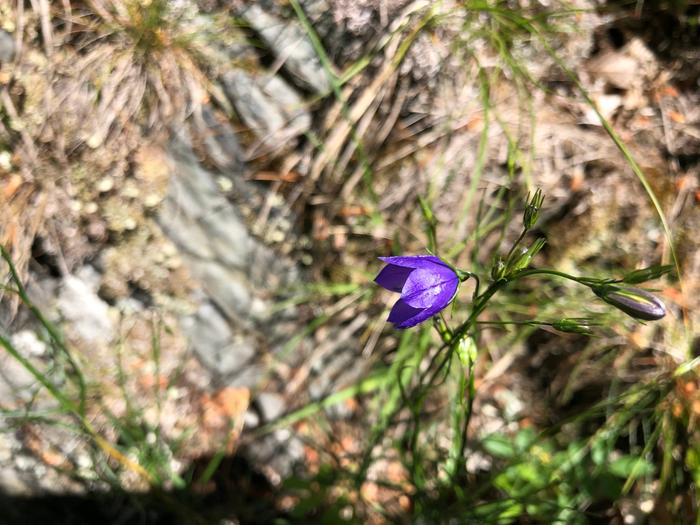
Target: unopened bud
{"type": "Point", "coordinates": [466, 351]}
{"type": "Point", "coordinates": [532, 209]}
{"type": "Point", "coordinates": [498, 270]}
{"type": "Point", "coordinates": [635, 302]}
{"type": "Point", "coordinates": [573, 326]}
{"type": "Point", "coordinates": [525, 258]}
{"type": "Point", "coordinates": [441, 327]}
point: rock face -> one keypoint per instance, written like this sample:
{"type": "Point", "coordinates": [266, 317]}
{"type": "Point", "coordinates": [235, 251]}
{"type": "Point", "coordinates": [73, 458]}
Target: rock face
{"type": "Point", "coordinates": [232, 332]}
{"type": "Point", "coordinates": [79, 305]}
{"type": "Point", "coordinates": [223, 257]}
{"type": "Point", "coordinates": [292, 46]}
{"type": "Point", "coordinates": [268, 106]}
{"type": "Point", "coordinates": [7, 47]}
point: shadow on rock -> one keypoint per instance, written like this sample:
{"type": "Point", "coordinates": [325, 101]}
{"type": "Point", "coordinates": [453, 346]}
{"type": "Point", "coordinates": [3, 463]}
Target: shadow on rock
{"type": "Point", "coordinates": [235, 493]}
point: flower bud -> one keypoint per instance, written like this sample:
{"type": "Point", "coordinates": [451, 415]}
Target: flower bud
{"type": "Point", "coordinates": [498, 270]}
{"type": "Point", "coordinates": [647, 274]}
{"type": "Point", "coordinates": [525, 258]}
{"type": "Point", "coordinates": [573, 326]}
{"type": "Point", "coordinates": [466, 351]}
{"type": "Point", "coordinates": [635, 302]}
{"type": "Point", "coordinates": [532, 209]}
{"type": "Point", "coordinates": [441, 327]}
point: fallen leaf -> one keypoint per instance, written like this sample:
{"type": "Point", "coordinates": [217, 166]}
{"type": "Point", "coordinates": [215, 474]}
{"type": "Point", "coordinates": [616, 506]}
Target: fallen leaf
{"type": "Point", "coordinates": [233, 401]}
{"type": "Point", "coordinates": [669, 91]}
{"type": "Point", "coordinates": [676, 117]}
{"type": "Point", "coordinates": [11, 186]}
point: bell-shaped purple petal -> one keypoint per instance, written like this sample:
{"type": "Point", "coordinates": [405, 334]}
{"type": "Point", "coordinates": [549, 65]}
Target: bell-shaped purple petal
{"type": "Point", "coordinates": [406, 316]}
{"type": "Point", "coordinates": [401, 312]}
{"type": "Point", "coordinates": [430, 287]}
{"type": "Point", "coordinates": [393, 277]}
{"type": "Point", "coordinates": [426, 283]}
{"type": "Point", "coordinates": [414, 261]}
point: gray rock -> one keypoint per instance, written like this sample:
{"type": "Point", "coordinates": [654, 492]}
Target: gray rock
{"type": "Point", "coordinates": [268, 106]}
{"type": "Point", "coordinates": [197, 216]}
{"type": "Point", "coordinates": [229, 356]}
{"type": "Point", "coordinates": [251, 419]}
{"type": "Point", "coordinates": [230, 332]}
{"type": "Point", "coordinates": [12, 483]}
{"type": "Point", "coordinates": [28, 343]}
{"type": "Point", "coordinates": [289, 42]}
{"type": "Point", "coordinates": [279, 452]}
{"type": "Point", "coordinates": [226, 288]}
{"type": "Point", "coordinates": [7, 47]}
{"type": "Point", "coordinates": [86, 313]}
{"type": "Point", "coordinates": [231, 264]}
{"type": "Point", "coordinates": [16, 383]}
{"type": "Point", "coordinates": [271, 405]}
{"type": "Point", "coordinates": [42, 292]}
{"type": "Point", "coordinates": [181, 227]}
{"type": "Point", "coordinates": [219, 140]}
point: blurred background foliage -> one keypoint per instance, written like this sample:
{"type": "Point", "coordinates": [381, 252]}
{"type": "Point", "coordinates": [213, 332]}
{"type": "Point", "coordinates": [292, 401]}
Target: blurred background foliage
{"type": "Point", "coordinates": [193, 197]}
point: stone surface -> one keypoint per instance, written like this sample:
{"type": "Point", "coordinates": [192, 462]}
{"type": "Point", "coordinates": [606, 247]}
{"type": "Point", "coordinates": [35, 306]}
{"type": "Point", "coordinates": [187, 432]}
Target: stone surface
{"type": "Point", "coordinates": [278, 453]}
{"type": "Point", "coordinates": [226, 260]}
{"type": "Point", "coordinates": [197, 216]}
{"type": "Point", "coordinates": [28, 344]}
{"type": "Point", "coordinates": [219, 141]}
{"type": "Point", "coordinates": [288, 41]}
{"type": "Point", "coordinates": [7, 47]}
{"type": "Point", "coordinates": [271, 405]}
{"type": "Point", "coordinates": [16, 383]}
{"type": "Point", "coordinates": [229, 356]}
{"type": "Point", "coordinates": [79, 305]}
{"type": "Point", "coordinates": [268, 106]}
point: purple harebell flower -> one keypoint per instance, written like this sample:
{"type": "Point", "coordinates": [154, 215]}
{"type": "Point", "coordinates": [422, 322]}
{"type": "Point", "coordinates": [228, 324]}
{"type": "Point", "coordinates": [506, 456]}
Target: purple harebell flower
{"type": "Point", "coordinates": [427, 285]}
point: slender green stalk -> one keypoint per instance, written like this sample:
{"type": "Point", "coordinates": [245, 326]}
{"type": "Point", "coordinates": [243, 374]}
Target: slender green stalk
{"type": "Point", "coordinates": [54, 335]}
{"type": "Point", "coordinates": [586, 281]}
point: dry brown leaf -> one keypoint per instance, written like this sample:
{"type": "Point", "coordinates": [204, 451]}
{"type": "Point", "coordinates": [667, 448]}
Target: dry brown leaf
{"type": "Point", "coordinates": [11, 186]}
{"type": "Point", "coordinates": [679, 118]}
{"type": "Point", "coordinates": [233, 401]}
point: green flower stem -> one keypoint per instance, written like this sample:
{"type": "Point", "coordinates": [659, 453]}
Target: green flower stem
{"type": "Point", "coordinates": [470, 405]}
{"type": "Point", "coordinates": [476, 288]}
{"type": "Point", "coordinates": [515, 245]}
{"type": "Point", "coordinates": [479, 305]}
{"type": "Point", "coordinates": [586, 281]}
{"type": "Point", "coordinates": [480, 302]}
{"type": "Point", "coordinates": [457, 335]}
{"type": "Point", "coordinates": [503, 323]}
{"type": "Point", "coordinates": [442, 328]}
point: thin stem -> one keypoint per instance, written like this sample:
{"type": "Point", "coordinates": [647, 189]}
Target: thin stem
{"type": "Point", "coordinates": [470, 405]}
{"type": "Point", "coordinates": [499, 323]}
{"type": "Point", "coordinates": [515, 245]}
{"type": "Point", "coordinates": [479, 306]}
{"type": "Point", "coordinates": [476, 287]}
{"type": "Point", "coordinates": [586, 281]}
{"type": "Point", "coordinates": [54, 335]}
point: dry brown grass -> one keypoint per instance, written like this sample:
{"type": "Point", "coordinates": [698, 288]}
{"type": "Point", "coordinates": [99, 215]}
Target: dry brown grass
{"type": "Point", "coordinates": [91, 83]}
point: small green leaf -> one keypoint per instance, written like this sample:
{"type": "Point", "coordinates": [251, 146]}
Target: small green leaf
{"type": "Point", "coordinates": [499, 445]}
{"type": "Point", "coordinates": [631, 467]}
